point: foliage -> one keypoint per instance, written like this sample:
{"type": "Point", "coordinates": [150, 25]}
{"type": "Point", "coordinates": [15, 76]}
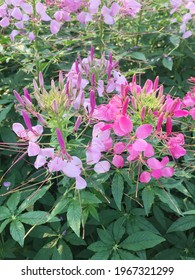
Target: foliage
{"type": "Point", "coordinates": [79, 183]}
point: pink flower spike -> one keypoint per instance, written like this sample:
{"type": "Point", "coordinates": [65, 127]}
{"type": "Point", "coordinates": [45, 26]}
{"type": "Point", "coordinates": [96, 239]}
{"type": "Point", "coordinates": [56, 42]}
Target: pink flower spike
{"type": "Point", "coordinates": [118, 161]}
{"type": "Point", "coordinates": [156, 82]}
{"type": "Point", "coordinates": [78, 123]}
{"type": "Point", "coordinates": [102, 167]}
{"type": "Point", "coordinates": [80, 183]}
{"type": "Point", "coordinates": [143, 112]}
{"type": "Point", "coordinates": [160, 121]}
{"type": "Point", "coordinates": [33, 149]}
{"type": "Point", "coordinates": [145, 177]}
{"type": "Point", "coordinates": [41, 81]}
{"type": "Point", "coordinates": [92, 53]}
{"type": "Point", "coordinates": [92, 101]}
{"type": "Point", "coordinates": [154, 163]}
{"type": "Point", "coordinates": [60, 139]}
{"type": "Point", "coordinates": [143, 131]}
{"type": "Point", "coordinates": [27, 119]}
{"type": "Point", "coordinates": [18, 97]}
{"type": "Point", "coordinates": [168, 126]}
{"type": "Point", "coordinates": [140, 145]}
{"type": "Point", "coordinates": [27, 94]}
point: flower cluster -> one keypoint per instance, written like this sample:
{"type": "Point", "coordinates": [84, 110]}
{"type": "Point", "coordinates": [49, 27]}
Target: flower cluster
{"type": "Point", "coordinates": [187, 8]}
{"type": "Point", "coordinates": [132, 126]}
{"type": "Point", "coordinates": [21, 14]}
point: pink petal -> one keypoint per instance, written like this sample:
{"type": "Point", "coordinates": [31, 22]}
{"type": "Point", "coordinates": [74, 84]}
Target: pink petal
{"type": "Point", "coordinates": [143, 131]}
{"type": "Point", "coordinates": [56, 164]}
{"type": "Point", "coordinates": [180, 113]}
{"type": "Point", "coordinates": [145, 177]}
{"type": "Point", "coordinates": [164, 161]}
{"type": "Point", "coordinates": [71, 170]}
{"type": "Point", "coordinates": [118, 161]}
{"type": "Point", "coordinates": [154, 163]}
{"type": "Point", "coordinates": [18, 129]}
{"type": "Point", "coordinates": [119, 148]}
{"type": "Point", "coordinates": [140, 145]}
{"type": "Point", "coordinates": [192, 113]}
{"type": "Point", "coordinates": [133, 154]}
{"type": "Point", "coordinates": [168, 172]}
{"type": "Point", "coordinates": [115, 8]}
{"type": "Point", "coordinates": [54, 26]}
{"type": "Point", "coordinates": [48, 152]}
{"type": "Point", "coordinates": [102, 167]}
{"type": "Point", "coordinates": [77, 161]}
{"type": "Point", "coordinates": [117, 129]}
{"type": "Point", "coordinates": [156, 173]}
{"type": "Point", "coordinates": [38, 129]}
{"type": "Point", "coordinates": [92, 156]}
{"type": "Point", "coordinates": [33, 149]}
{"type": "Point", "coordinates": [13, 34]}
{"type": "Point", "coordinates": [125, 124]}
{"type": "Point", "coordinates": [4, 22]}
{"type": "Point", "coordinates": [107, 144]}
{"type": "Point", "coordinates": [177, 151]}
{"type": "Point", "coordinates": [80, 183]}
{"type": "Point", "coordinates": [40, 161]}
{"type": "Point", "coordinates": [149, 152]}
{"type": "Point", "coordinates": [16, 13]}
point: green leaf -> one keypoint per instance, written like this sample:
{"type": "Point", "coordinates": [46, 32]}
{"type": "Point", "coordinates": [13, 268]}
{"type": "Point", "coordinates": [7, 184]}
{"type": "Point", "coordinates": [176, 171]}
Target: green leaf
{"type": "Point", "coordinates": [60, 206]}
{"type": "Point", "coordinates": [5, 111]}
{"type": "Point", "coordinates": [104, 255]}
{"type": "Point", "coordinates": [168, 63]}
{"type": "Point", "coordinates": [74, 216]}
{"type": "Point", "coordinates": [118, 229]}
{"type": "Point", "coordinates": [89, 198]}
{"type": "Point", "coordinates": [62, 251]}
{"type": "Point", "coordinates": [4, 213]}
{"type": "Point", "coordinates": [4, 224]}
{"type": "Point", "coordinates": [167, 198]}
{"type": "Point", "coordinates": [105, 236]}
{"type": "Point", "coordinates": [183, 223]}
{"type": "Point", "coordinates": [126, 255]}
{"type": "Point", "coordinates": [175, 40]}
{"type": "Point", "coordinates": [141, 240]}
{"type": "Point", "coordinates": [148, 198]}
{"type": "Point", "coordinates": [99, 246]}
{"type": "Point", "coordinates": [189, 212]}
{"type": "Point", "coordinates": [117, 189]}
{"type": "Point", "coordinates": [34, 217]}
{"type": "Point", "coordinates": [13, 201]}
{"type": "Point", "coordinates": [32, 198]}
{"type": "Point", "coordinates": [138, 56]}
{"type": "Point", "coordinates": [17, 231]}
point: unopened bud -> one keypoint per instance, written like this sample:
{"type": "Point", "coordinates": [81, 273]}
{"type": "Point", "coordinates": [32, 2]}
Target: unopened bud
{"type": "Point", "coordinates": [143, 113]}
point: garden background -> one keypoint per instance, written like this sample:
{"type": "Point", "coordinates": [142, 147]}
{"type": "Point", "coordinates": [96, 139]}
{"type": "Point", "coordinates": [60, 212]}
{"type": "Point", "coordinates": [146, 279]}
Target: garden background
{"type": "Point", "coordinates": [97, 129]}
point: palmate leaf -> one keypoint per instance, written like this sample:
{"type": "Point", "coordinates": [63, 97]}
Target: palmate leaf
{"type": "Point", "coordinates": [141, 240]}
{"type": "Point", "coordinates": [4, 213]}
{"type": "Point", "coordinates": [36, 218]}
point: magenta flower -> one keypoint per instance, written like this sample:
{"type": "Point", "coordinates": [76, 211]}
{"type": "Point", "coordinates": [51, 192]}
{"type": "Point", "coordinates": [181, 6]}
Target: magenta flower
{"type": "Point", "coordinates": [27, 135]}
{"type": "Point", "coordinates": [118, 161]}
{"type": "Point", "coordinates": [174, 146]}
{"type": "Point", "coordinates": [109, 14]}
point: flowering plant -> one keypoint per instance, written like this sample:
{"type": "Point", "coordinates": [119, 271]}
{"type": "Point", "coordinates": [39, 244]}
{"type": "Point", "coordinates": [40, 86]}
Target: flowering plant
{"type": "Point", "coordinates": [98, 152]}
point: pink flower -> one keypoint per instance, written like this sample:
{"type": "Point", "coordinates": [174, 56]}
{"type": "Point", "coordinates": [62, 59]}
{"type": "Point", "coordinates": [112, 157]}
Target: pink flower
{"type": "Point", "coordinates": [54, 26]}
{"type": "Point", "coordinates": [119, 148]}
{"type": "Point", "coordinates": [109, 14]}
{"type": "Point", "coordinates": [32, 135]}
{"type": "Point", "coordinates": [174, 146]}
{"type": "Point", "coordinates": [80, 183]}
{"type": "Point", "coordinates": [122, 126]}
